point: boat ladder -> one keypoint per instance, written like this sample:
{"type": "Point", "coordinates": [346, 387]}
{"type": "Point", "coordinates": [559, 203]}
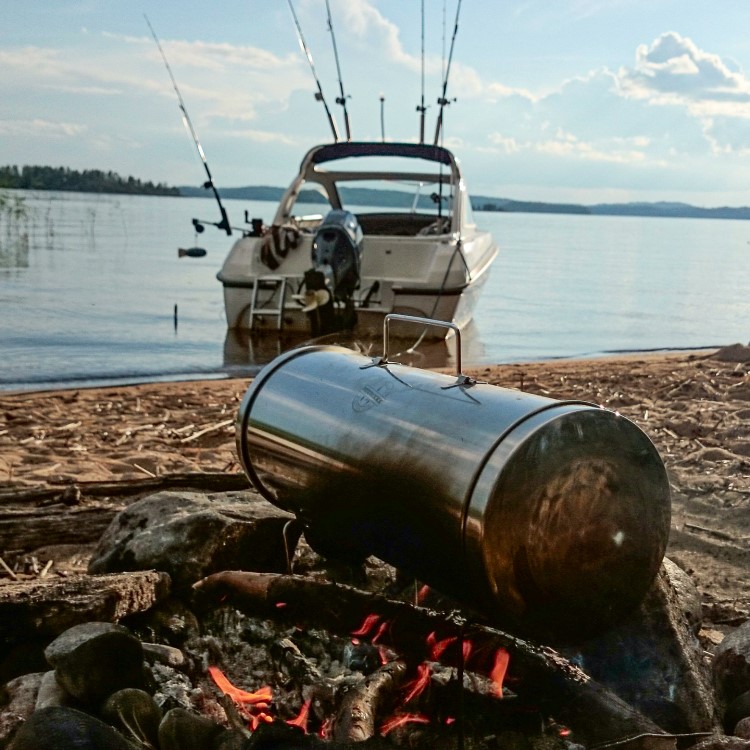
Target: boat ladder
{"type": "Point", "coordinates": [274, 285]}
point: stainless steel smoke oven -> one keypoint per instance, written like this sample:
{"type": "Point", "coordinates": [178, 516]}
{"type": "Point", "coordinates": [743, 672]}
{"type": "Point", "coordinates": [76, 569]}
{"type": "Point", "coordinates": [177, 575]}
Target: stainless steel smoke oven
{"type": "Point", "coordinates": [549, 516]}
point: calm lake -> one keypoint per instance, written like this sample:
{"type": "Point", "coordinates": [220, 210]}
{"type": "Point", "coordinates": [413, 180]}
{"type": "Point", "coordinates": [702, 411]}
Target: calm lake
{"type": "Point", "coordinates": [90, 297]}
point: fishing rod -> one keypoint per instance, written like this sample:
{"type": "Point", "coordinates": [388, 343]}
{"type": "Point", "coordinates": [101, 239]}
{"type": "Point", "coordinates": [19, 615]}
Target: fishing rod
{"type": "Point", "coordinates": [340, 99]}
{"type": "Point", "coordinates": [442, 101]}
{"type": "Point", "coordinates": [224, 223]}
{"type": "Point", "coordinates": [421, 107]}
{"type": "Point", "coordinates": [319, 94]}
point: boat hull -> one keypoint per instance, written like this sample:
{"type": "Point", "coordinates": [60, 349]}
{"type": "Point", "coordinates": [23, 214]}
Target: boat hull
{"type": "Point", "coordinates": [454, 305]}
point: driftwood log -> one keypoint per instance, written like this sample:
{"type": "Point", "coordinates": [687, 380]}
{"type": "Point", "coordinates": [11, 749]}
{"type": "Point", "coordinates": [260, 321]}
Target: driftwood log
{"type": "Point", "coordinates": [46, 608]}
{"type": "Point", "coordinates": [537, 673]}
{"type": "Point", "coordinates": [79, 513]}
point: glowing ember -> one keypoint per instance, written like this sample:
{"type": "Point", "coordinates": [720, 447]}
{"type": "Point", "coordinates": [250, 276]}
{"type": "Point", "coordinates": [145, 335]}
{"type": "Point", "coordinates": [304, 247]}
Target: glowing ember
{"type": "Point", "coordinates": [301, 719]}
{"type": "Point", "coordinates": [437, 647]}
{"type": "Point", "coordinates": [382, 628]}
{"type": "Point", "coordinates": [398, 720]}
{"type": "Point", "coordinates": [497, 674]}
{"type": "Point", "coordinates": [367, 625]}
{"type": "Point", "coordinates": [385, 655]}
{"type": "Point", "coordinates": [466, 649]}
{"type": "Point", "coordinates": [422, 593]}
{"type": "Point", "coordinates": [325, 730]}
{"type": "Point", "coordinates": [419, 683]}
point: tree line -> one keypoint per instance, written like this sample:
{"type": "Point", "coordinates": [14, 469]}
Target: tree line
{"type": "Point", "coordinates": [87, 181]}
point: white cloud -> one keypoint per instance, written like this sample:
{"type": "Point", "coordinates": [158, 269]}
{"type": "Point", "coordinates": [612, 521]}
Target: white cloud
{"type": "Point", "coordinates": [38, 127]}
{"type": "Point", "coordinates": [673, 70]}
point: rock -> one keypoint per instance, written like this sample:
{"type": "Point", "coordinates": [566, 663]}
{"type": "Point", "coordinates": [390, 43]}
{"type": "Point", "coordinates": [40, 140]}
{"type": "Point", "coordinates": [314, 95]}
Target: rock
{"type": "Point", "coordinates": [61, 728]}
{"type": "Point", "coordinates": [190, 535]}
{"type": "Point", "coordinates": [731, 665]}
{"type": "Point", "coordinates": [95, 659]}
{"type": "Point", "coordinates": [170, 621]}
{"type": "Point", "coordinates": [135, 715]}
{"type": "Point", "coordinates": [688, 596]}
{"type": "Point", "coordinates": [721, 742]}
{"type": "Point", "coordinates": [653, 659]}
{"type": "Point", "coordinates": [737, 710]}
{"type": "Point", "coordinates": [733, 353]}
{"type": "Point", "coordinates": [742, 729]}
{"type": "Point", "coordinates": [184, 730]}
{"type": "Point", "coordinates": [51, 693]}
{"type": "Point", "coordinates": [230, 739]}
{"type": "Point", "coordinates": [17, 702]}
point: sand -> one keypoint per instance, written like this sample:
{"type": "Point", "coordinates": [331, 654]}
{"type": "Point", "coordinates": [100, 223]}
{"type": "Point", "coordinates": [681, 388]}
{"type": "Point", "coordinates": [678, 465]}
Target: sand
{"type": "Point", "coordinates": [694, 406]}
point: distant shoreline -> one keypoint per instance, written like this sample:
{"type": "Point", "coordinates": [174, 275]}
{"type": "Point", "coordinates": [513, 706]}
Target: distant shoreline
{"type": "Point", "coordinates": [396, 199]}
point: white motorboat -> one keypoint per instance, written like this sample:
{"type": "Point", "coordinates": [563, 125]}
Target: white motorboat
{"type": "Point", "coordinates": [395, 234]}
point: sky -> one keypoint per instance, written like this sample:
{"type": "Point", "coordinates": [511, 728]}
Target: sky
{"type": "Point", "coordinates": [583, 101]}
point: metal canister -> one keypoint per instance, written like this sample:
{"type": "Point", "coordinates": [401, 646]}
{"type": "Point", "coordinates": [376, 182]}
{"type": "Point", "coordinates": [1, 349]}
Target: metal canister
{"type": "Point", "coordinates": [549, 517]}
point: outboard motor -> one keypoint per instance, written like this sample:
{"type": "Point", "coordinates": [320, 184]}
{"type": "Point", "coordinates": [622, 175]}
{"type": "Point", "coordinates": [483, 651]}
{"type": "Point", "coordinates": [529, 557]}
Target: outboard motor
{"type": "Point", "coordinates": [334, 277]}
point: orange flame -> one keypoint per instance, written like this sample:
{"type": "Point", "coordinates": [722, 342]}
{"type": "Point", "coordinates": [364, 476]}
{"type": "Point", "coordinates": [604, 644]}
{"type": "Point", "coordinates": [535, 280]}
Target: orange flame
{"type": "Point", "coordinates": [419, 683]}
{"type": "Point", "coordinates": [367, 625]}
{"type": "Point", "coordinates": [500, 667]}
{"type": "Point", "coordinates": [262, 696]}
{"type": "Point", "coordinates": [467, 647]}
{"type": "Point", "coordinates": [301, 719]}
{"type": "Point", "coordinates": [255, 720]}
{"type": "Point", "coordinates": [398, 720]}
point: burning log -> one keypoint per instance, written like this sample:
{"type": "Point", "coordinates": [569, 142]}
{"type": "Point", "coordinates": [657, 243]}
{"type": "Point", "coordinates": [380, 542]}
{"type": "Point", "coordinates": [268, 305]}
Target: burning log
{"type": "Point", "coordinates": [538, 673]}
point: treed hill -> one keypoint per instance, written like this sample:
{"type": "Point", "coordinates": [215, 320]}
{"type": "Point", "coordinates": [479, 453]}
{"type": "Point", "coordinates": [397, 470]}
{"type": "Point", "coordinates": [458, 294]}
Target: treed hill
{"type": "Point", "coordinates": [88, 181]}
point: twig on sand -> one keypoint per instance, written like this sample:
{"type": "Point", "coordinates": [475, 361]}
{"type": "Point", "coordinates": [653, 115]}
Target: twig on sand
{"type": "Point", "coordinates": [7, 569]}
{"type": "Point", "coordinates": [206, 430]}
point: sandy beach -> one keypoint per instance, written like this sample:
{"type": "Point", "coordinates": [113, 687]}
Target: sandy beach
{"type": "Point", "coordinates": [694, 406]}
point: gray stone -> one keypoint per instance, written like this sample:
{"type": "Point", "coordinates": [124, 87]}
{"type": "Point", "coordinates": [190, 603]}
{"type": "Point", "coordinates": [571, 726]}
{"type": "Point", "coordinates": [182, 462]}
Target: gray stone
{"type": "Point", "coordinates": [731, 665]}
{"type": "Point", "coordinates": [51, 693]}
{"type": "Point", "coordinates": [61, 728]}
{"type": "Point", "coordinates": [742, 729]}
{"type": "Point", "coordinates": [135, 715]}
{"type": "Point", "coordinates": [738, 709]}
{"type": "Point", "coordinates": [722, 742]}
{"type": "Point", "coordinates": [72, 638]}
{"type": "Point", "coordinates": [688, 596]}
{"type": "Point", "coordinates": [184, 730]}
{"type": "Point", "coordinates": [17, 702]}
{"type": "Point", "coordinates": [95, 659]}
{"type": "Point", "coordinates": [190, 535]}
{"type": "Point", "coordinates": [653, 659]}
{"type": "Point", "coordinates": [231, 739]}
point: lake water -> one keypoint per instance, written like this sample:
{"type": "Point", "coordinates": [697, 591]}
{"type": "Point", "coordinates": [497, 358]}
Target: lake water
{"type": "Point", "coordinates": [90, 296]}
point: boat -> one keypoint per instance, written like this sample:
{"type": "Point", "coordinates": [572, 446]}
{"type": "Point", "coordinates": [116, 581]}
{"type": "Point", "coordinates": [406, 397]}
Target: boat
{"type": "Point", "coordinates": [365, 229]}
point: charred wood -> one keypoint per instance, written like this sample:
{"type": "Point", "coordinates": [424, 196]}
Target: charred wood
{"type": "Point", "coordinates": [361, 705]}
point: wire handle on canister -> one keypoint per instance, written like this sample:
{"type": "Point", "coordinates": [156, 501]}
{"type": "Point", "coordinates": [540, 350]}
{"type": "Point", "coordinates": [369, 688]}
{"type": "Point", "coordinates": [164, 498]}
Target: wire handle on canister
{"type": "Point", "coordinates": [426, 322]}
